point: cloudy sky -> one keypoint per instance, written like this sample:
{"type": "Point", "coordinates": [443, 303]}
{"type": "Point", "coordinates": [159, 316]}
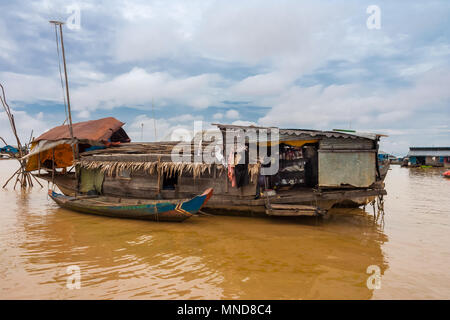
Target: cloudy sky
{"type": "Point", "coordinates": [292, 64]}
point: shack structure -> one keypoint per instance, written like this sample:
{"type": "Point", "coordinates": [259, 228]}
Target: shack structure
{"type": "Point", "coordinates": [387, 157]}
{"type": "Point", "coordinates": [429, 156]}
{"type": "Point", "coordinates": [316, 170]}
{"type": "Point", "coordinates": [53, 149]}
{"type": "Point", "coordinates": [9, 151]}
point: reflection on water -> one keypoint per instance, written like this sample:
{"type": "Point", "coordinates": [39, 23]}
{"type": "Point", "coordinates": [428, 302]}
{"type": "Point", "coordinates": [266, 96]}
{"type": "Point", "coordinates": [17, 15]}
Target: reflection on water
{"type": "Point", "coordinates": [213, 257]}
{"type": "Point", "coordinates": [418, 225]}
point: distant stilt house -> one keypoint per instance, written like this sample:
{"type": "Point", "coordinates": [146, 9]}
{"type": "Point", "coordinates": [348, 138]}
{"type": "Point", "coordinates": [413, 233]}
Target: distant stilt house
{"type": "Point", "coordinates": [9, 151]}
{"type": "Point", "coordinates": [386, 157]}
{"type": "Point", "coordinates": [382, 156]}
{"type": "Point", "coordinates": [429, 156]}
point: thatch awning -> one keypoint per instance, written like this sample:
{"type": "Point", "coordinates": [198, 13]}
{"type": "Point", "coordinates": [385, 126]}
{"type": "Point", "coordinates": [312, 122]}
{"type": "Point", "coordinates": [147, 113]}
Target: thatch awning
{"type": "Point", "coordinates": [112, 168]}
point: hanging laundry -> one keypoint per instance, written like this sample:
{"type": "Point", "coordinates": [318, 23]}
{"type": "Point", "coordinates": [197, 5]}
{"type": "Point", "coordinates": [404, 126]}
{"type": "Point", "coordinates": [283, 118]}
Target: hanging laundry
{"type": "Point", "coordinates": [231, 175]}
{"type": "Point", "coordinates": [241, 175]}
{"type": "Point", "coordinates": [241, 168]}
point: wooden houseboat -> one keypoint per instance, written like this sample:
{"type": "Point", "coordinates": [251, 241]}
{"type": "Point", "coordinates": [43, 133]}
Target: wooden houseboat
{"type": "Point", "coordinates": [317, 169]}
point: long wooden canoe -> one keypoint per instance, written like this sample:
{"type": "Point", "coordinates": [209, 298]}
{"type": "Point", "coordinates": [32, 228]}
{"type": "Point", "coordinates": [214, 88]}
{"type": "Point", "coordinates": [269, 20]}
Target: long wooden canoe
{"type": "Point", "coordinates": [156, 210]}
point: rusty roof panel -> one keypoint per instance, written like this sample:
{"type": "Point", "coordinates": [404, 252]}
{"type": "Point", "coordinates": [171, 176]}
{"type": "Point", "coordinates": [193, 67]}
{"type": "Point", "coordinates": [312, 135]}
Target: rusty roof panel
{"type": "Point", "coordinates": [92, 130]}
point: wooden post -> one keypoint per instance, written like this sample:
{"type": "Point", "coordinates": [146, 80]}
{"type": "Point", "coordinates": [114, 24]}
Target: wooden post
{"type": "Point", "coordinates": [53, 166]}
{"type": "Point", "coordinates": [226, 180]}
{"type": "Point", "coordinates": [158, 170]}
{"type": "Point", "coordinates": [17, 172]}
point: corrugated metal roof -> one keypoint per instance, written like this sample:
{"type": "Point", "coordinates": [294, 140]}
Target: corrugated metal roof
{"type": "Point", "coordinates": [311, 133]}
{"type": "Point", "coordinates": [429, 153]}
{"type": "Point", "coordinates": [93, 130]}
{"type": "Point", "coordinates": [329, 134]}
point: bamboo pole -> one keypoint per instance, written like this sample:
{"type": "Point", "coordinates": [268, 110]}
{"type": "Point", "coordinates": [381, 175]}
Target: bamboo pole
{"type": "Point", "coordinates": [158, 170]}
{"type": "Point", "coordinates": [17, 171]}
{"type": "Point", "coordinates": [17, 180]}
{"type": "Point", "coordinates": [53, 165]}
{"type": "Point", "coordinates": [21, 174]}
{"type": "Point", "coordinates": [37, 181]}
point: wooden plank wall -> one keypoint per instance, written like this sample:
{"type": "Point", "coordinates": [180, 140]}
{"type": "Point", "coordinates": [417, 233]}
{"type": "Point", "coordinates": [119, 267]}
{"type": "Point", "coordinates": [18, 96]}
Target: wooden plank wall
{"type": "Point", "coordinates": [142, 184]}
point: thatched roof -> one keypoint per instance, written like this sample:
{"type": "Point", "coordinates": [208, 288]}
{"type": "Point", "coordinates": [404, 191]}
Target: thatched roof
{"type": "Point", "coordinates": [153, 157]}
{"type": "Point", "coordinates": [112, 168]}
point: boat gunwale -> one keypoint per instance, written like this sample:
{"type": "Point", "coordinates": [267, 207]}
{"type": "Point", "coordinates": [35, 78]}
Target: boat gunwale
{"type": "Point", "coordinates": [128, 201]}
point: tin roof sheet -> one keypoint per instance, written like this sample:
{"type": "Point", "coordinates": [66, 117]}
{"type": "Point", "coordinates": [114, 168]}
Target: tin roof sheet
{"type": "Point", "coordinates": [92, 130]}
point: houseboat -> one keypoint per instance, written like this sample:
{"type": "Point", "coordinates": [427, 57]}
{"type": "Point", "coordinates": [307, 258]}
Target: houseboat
{"type": "Point", "coordinates": [429, 156]}
{"type": "Point", "coordinates": [253, 170]}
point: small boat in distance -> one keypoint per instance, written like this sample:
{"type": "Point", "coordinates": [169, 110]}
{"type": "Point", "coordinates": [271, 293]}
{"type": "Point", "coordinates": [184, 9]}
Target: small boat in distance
{"type": "Point", "coordinates": [156, 210]}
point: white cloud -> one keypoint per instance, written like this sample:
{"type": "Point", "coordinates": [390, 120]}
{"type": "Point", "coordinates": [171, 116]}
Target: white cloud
{"type": "Point", "coordinates": [244, 123]}
{"type": "Point", "coordinates": [357, 106]}
{"type": "Point", "coordinates": [232, 114]}
{"type": "Point", "coordinates": [260, 31]}
{"type": "Point", "coordinates": [138, 87]}
{"type": "Point", "coordinates": [396, 113]}
{"type": "Point", "coordinates": [185, 118]}
{"type": "Point", "coordinates": [263, 84]}
{"type": "Point", "coordinates": [293, 36]}
{"type": "Point", "coordinates": [143, 128]}
{"type": "Point", "coordinates": [253, 51]}
{"type": "Point", "coordinates": [147, 40]}
{"type": "Point", "coordinates": [164, 127]}
{"type": "Point", "coordinates": [156, 30]}
{"type": "Point", "coordinates": [218, 116]}
{"type": "Point", "coordinates": [31, 88]}
{"type": "Point", "coordinates": [84, 114]}
{"type": "Point", "coordinates": [84, 72]}
{"type": "Point", "coordinates": [8, 46]}
{"type": "Point", "coordinates": [25, 123]}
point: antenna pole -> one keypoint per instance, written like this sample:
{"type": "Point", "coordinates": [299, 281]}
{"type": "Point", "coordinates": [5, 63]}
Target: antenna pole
{"type": "Point", "coordinates": [67, 80]}
{"type": "Point", "coordinates": [59, 23]}
{"type": "Point", "coordinates": [154, 120]}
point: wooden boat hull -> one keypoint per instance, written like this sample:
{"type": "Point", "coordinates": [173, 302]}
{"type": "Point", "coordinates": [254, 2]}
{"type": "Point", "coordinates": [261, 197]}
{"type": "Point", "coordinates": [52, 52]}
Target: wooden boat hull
{"type": "Point", "coordinates": [228, 204]}
{"type": "Point", "coordinates": [156, 210]}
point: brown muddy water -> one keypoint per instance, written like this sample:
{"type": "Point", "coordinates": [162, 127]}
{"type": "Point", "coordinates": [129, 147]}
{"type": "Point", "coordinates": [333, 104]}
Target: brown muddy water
{"type": "Point", "coordinates": [219, 257]}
